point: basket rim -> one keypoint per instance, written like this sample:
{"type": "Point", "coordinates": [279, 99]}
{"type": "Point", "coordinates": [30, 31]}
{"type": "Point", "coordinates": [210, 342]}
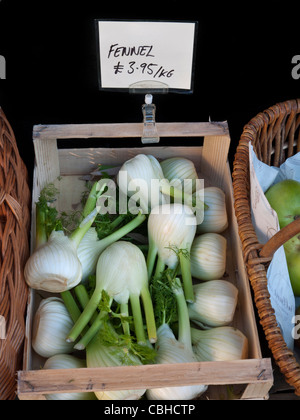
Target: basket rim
{"type": "Point", "coordinates": [15, 201]}
{"type": "Point", "coordinates": [266, 122]}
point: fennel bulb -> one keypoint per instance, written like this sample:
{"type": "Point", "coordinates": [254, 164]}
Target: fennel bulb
{"type": "Point", "coordinates": [208, 256]}
{"type": "Point", "coordinates": [91, 247]}
{"type": "Point", "coordinates": [181, 169]}
{"type": "Point", "coordinates": [171, 232]}
{"type": "Point", "coordinates": [219, 344]}
{"type": "Point", "coordinates": [67, 361]}
{"type": "Point", "coordinates": [142, 180]}
{"type": "Point", "coordinates": [122, 273]}
{"type": "Point", "coordinates": [215, 303]}
{"type": "Point", "coordinates": [135, 178]}
{"type": "Point", "coordinates": [101, 355]}
{"type": "Point", "coordinates": [51, 325]}
{"type": "Point", "coordinates": [215, 214]}
{"type": "Point", "coordinates": [171, 350]}
{"type": "Point", "coordinates": [54, 265]}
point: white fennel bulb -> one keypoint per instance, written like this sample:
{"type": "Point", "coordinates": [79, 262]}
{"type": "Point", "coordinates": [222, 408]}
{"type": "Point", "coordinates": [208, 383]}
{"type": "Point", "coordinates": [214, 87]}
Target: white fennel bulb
{"type": "Point", "coordinates": [135, 180]}
{"type": "Point", "coordinates": [215, 215]}
{"type": "Point", "coordinates": [90, 247]}
{"type": "Point", "coordinates": [170, 350]}
{"type": "Point", "coordinates": [171, 226]}
{"type": "Point", "coordinates": [122, 271]}
{"type": "Point", "coordinates": [51, 326]}
{"type": "Point", "coordinates": [181, 169]}
{"type": "Point", "coordinates": [215, 303]}
{"type": "Point", "coordinates": [88, 253]}
{"type": "Point", "coordinates": [219, 344]}
{"type": "Point", "coordinates": [54, 267]}
{"type": "Point", "coordinates": [208, 256]}
{"type": "Point", "coordinates": [67, 361]}
{"type": "Point", "coordinates": [171, 232]}
{"type": "Point", "coordinates": [100, 355]}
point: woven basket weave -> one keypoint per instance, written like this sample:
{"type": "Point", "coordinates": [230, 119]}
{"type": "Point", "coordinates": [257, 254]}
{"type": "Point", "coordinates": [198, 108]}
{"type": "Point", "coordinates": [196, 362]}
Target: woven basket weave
{"type": "Point", "coordinates": [14, 245]}
{"type": "Point", "coordinates": [275, 136]}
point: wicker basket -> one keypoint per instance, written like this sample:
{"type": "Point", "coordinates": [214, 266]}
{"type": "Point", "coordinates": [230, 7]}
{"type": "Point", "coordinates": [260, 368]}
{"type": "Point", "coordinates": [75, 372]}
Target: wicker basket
{"type": "Point", "coordinates": [14, 244]}
{"type": "Point", "coordinates": [275, 136]}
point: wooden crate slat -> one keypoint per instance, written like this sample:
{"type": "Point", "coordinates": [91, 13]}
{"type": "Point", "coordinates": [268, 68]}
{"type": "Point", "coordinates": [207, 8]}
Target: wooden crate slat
{"type": "Point", "coordinates": [72, 131]}
{"type": "Point", "coordinates": [148, 376]}
{"type": "Point", "coordinates": [214, 158]}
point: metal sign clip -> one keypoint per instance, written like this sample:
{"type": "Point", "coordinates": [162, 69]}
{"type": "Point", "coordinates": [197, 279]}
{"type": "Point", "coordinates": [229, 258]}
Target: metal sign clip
{"type": "Point", "coordinates": [150, 134]}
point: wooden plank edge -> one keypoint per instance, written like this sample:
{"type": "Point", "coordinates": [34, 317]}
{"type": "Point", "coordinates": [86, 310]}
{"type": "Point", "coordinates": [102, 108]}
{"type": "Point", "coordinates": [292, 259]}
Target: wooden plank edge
{"type": "Point", "coordinates": [125, 130]}
{"type": "Point", "coordinates": [250, 371]}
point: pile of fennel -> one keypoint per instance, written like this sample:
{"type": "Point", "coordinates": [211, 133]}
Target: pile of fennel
{"type": "Point", "coordinates": [120, 303]}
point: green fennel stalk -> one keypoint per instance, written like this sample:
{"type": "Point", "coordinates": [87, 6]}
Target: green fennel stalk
{"type": "Point", "coordinates": [47, 217]}
{"type": "Point", "coordinates": [184, 325]}
{"type": "Point", "coordinates": [89, 214]}
{"type": "Point", "coordinates": [180, 196]}
{"type": "Point", "coordinates": [155, 262]}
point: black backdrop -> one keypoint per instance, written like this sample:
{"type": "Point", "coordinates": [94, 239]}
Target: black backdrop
{"type": "Point", "coordinates": [244, 63]}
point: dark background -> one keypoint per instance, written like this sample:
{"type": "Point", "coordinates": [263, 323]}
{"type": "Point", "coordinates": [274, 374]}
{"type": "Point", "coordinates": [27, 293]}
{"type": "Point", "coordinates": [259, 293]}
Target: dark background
{"type": "Point", "coordinates": [244, 63]}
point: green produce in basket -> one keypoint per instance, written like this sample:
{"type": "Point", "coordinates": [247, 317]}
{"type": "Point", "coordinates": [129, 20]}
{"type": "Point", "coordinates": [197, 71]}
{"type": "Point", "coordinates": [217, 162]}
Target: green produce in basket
{"type": "Point", "coordinates": [284, 198]}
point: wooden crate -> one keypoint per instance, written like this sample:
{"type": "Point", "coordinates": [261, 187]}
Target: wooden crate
{"type": "Point", "coordinates": [251, 378]}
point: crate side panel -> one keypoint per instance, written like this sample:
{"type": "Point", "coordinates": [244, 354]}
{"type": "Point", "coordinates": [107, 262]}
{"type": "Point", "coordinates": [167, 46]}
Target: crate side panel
{"type": "Point", "coordinates": [84, 161]}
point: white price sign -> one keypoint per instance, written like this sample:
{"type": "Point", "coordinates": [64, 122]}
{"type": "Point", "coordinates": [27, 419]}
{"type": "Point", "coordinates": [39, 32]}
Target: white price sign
{"type": "Point", "coordinates": [146, 54]}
